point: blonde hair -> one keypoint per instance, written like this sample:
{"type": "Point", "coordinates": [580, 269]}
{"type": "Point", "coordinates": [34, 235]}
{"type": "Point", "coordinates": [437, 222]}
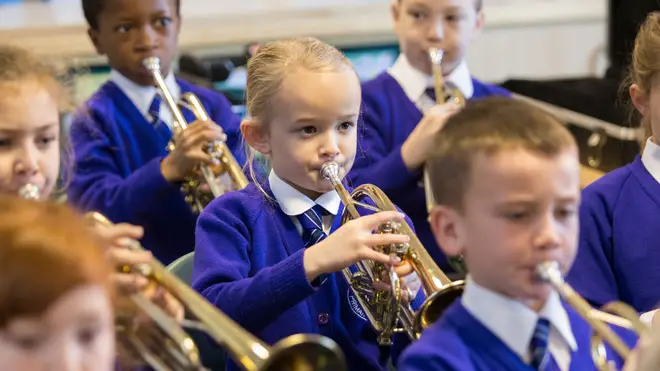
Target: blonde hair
{"type": "Point", "coordinates": [271, 65]}
{"type": "Point", "coordinates": [18, 66]}
{"type": "Point", "coordinates": [645, 64]}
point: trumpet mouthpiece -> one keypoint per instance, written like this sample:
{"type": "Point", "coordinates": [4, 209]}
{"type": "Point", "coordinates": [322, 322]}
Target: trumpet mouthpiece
{"type": "Point", "coordinates": [29, 192]}
{"type": "Point", "coordinates": [436, 55]}
{"type": "Point", "coordinates": [151, 63]}
{"type": "Point", "coordinates": [330, 170]}
{"type": "Point", "coordinates": [549, 272]}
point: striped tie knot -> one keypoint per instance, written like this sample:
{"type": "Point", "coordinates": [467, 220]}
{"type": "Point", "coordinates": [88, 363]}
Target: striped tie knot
{"type": "Point", "coordinates": [312, 225]}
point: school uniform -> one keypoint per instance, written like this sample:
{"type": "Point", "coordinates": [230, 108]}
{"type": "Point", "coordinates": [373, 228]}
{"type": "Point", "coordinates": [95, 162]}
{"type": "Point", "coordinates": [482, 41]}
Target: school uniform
{"type": "Point", "coordinates": [619, 252]}
{"type": "Point", "coordinates": [488, 331]}
{"type": "Point", "coordinates": [249, 263]}
{"type": "Point", "coordinates": [119, 138]}
{"type": "Point", "coordinates": [393, 105]}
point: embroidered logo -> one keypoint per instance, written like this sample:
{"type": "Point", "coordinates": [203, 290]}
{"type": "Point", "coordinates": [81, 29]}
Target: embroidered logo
{"type": "Point", "coordinates": [355, 304]}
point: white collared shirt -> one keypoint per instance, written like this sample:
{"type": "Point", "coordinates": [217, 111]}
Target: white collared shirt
{"type": "Point", "coordinates": [415, 82]}
{"type": "Point", "coordinates": [651, 159]}
{"type": "Point", "coordinates": [142, 96]}
{"type": "Point", "coordinates": [293, 202]}
{"type": "Point", "coordinates": [514, 323]}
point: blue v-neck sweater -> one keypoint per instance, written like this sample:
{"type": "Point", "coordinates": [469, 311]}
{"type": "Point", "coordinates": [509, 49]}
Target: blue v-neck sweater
{"type": "Point", "coordinates": [117, 167]}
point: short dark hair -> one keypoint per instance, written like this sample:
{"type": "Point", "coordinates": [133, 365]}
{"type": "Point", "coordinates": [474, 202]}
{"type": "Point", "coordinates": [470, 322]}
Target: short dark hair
{"type": "Point", "coordinates": [93, 8]}
{"type": "Point", "coordinates": [477, 4]}
{"type": "Point", "coordinates": [488, 126]}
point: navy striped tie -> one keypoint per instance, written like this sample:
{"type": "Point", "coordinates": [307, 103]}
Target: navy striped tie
{"type": "Point", "coordinates": [154, 111]}
{"type": "Point", "coordinates": [312, 232]}
{"type": "Point", "coordinates": [312, 225]}
{"type": "Point", "coordinates": [538, 347]}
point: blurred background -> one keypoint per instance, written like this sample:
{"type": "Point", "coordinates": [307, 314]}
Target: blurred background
{"type": "Point", "coordinates": [567, 54]}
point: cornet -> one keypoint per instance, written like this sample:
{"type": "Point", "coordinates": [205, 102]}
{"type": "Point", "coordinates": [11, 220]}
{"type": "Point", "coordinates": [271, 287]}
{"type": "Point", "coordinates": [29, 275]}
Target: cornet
{"type": "Point", "coordinates": [616, 313]}
{"type": "Point", "coordinates": [163, 343]}
{"type": "Point", "coordinates": [443, 94]}
{"type": "Point", "coordinates": [386, 311]}
{"type": "Point", "coordinates": [215, 180]}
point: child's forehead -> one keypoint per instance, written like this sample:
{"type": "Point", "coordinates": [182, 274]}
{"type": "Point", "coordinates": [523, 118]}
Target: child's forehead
{"type": "Point", "coordinates": [439, 3]}
{"type": "Point", "coordinates": [132, 8]}
{"type": "Point", "coordinates": [524, 171]}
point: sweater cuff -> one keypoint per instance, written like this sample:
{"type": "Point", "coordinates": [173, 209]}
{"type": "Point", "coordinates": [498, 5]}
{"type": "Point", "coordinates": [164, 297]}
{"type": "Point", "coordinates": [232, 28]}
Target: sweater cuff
{"type": "Point", "coordinates": [288, 279]}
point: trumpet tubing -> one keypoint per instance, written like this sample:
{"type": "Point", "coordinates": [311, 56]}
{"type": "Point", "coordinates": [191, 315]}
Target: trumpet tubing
{"type": "Point", "coordinates": [621, 315]}
{"type": "Point", "coordinates": [386, 311]}
{"type": "Point", "coordinates": [443, 94]}
{"type": "Point", "coordinates": [226, 175]}
{"type": "Point", "coordinates": [297, 352]}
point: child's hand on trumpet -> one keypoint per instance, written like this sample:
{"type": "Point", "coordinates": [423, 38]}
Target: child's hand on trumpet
{"type": "Point", "coordinates": [410, 282]}
{"type": "Point", "coordinates": [118, 237]}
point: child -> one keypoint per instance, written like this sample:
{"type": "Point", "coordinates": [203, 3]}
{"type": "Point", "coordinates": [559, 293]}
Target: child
{"type": "Point", "coordinates": [619, 249]}
{"type": "Point", "coordinates": [510, 204]}
{"type": "Point", "coordinates": [399, 116]}
{"type": "Point", "coordinates": [303, 97]}
{"type": "Point", "coordinates": [122, 166]}
{"type": "Point", "coordinates": [55, 291]}
{"type": "Point", "coordinates": [30, 106]}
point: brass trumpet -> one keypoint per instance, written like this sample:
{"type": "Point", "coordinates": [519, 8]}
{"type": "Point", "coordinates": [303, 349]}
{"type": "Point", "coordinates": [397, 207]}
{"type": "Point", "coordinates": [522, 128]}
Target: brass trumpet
{"type": "Point", "coordinates": [387, 312]}
{"type": "Point", "coordinates": [297, 352]}
{"type": "Point", "coordinates": [163, 344]}
{"type": "Point", "coordinates": [616, 313]}
{"type": "Point", "coordinates": [214, 180]}
{"type": "Point", "coordinates": [443, 94]}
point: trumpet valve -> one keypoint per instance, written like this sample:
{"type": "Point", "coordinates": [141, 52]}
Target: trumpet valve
{"type": "Point", "coordinates": [401, 249]}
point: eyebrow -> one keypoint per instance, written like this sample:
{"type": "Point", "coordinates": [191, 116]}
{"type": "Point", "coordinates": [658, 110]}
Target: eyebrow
{"type": "Point", "coordinates": [304, 119]}
{"type": "Point", "coordinates": [39, 129]}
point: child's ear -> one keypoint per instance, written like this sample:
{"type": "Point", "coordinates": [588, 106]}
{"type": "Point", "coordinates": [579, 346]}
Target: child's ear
{"type": "Point", "coordinates": [94, 37]}
{"type": "Point", "coordinates": [479, 23]}
{"type": "Point", "coordinates": [255, 136]}
{"type": "Point", "coordinates": [446, 224]}
{"type": "Point", "coordinates": [639, 98]}
{"type": "Point", "coordinates": [395, 10]}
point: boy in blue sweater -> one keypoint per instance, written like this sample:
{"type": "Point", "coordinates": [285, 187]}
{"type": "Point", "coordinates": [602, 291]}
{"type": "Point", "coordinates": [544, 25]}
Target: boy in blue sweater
{"type": "Point", "coordinates": [511, 204]}
{"type": "Point", "coordinates": [122, 166]}
{"type": "Point", "coordinates": [399, 112]}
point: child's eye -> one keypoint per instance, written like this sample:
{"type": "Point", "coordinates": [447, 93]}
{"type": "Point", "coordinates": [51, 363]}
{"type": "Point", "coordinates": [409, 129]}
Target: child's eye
{"type": "Point", "coordinates": [566, 213]}
{"type": "Point", "coordinates": [308, 130]}
{"type": "Point", "coordinates": [417, 15]}
{"type": "Point", "coordinates": [123, 28]}
{"type": "Point", "coordinates": [163, 21]}
{"type": "Point", "coordinates": [5, 143]}
{"type": "Point", "coordinates": [345, 126]}
{"type": "Point", "coordinates": [46, 141]}
{"type": "Point", "coordinates": [86, 336]}
{"type": "Point", "coordinates": [516, 216]}
{"type": "Point", "coordinates": [28, 342]}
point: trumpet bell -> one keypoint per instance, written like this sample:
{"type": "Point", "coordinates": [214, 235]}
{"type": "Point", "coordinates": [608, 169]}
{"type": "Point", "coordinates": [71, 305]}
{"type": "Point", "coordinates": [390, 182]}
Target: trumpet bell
{"type": "Point", "coordinates": [436, 304]}
{"type": "Point", "coordinates": [305, 353]}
